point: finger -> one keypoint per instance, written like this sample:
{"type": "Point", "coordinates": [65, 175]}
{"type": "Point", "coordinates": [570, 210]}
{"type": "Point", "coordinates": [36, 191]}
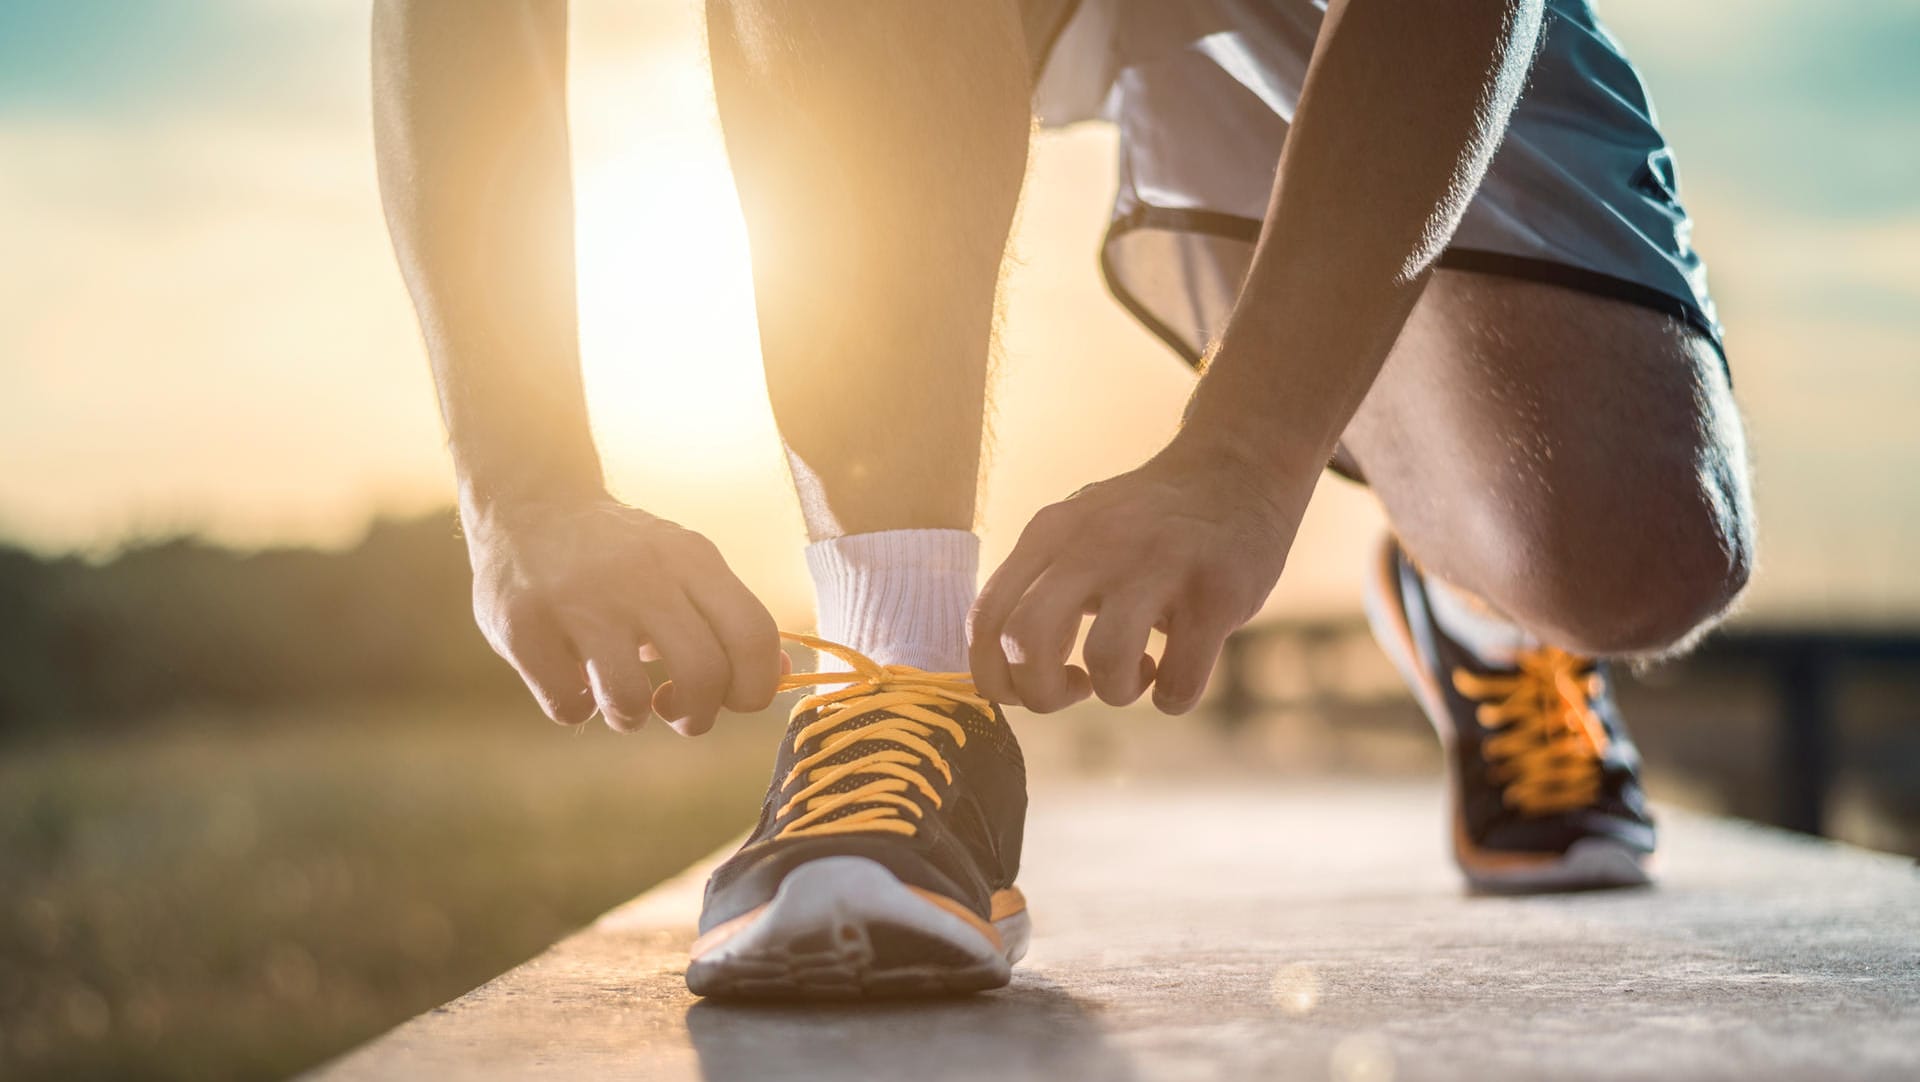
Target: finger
{"type": "Point", "coordinates": [618, 679]}
{"type": "Point", "coordinates": [988, 617]}
{"type": "Point", "coordinates": [1038, 639]}
{"type": "Point", "coordinates": [1193, 645]}
{"type": "Point", "coordinates": [545, 660]}
{"type": "Point", "coordinates": [1116, 653]}
{"type": "Point", "coordinates": [748, 637]}
{"type": "Point", "coordinates": [696, 667]}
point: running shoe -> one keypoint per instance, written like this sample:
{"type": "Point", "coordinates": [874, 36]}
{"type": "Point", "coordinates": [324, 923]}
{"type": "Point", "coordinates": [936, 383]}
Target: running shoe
{"type": "Point", "coordinates": [1543, 778]}
{"type": "Point", "coordinates": [883, 861]}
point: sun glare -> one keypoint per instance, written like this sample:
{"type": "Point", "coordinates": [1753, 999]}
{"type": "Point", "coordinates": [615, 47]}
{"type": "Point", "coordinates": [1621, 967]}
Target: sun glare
{"type": "Point", "coordinates": [669, 346]}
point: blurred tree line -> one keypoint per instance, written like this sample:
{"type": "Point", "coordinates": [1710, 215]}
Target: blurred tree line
{"type": "Point", "coordinates": [181, 622]}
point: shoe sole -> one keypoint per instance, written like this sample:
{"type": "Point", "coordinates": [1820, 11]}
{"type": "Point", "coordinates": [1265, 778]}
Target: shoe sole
{"type": "Point", "coordinates": [1588, 864]}
{"type": "Point", "coordinates": [847, 928]}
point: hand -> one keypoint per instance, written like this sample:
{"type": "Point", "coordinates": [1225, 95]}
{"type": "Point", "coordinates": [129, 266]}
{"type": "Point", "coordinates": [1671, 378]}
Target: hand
{"type": "Point", "coordinates": [1190, 543]}
{"type": "Point", "coordinates": [577, 594]}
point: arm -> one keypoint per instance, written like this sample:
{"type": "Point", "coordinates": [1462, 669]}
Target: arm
{"type": "Point", "coordinates": [569, 585]}
{"type": "Point", "coordinates": [1402, 108]}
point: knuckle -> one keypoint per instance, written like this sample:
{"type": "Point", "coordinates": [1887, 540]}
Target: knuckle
{"type": "Point", "coordinates": [507, 612]}
{"type": "Point", "coordinates": [1213, 585]}
{"type": "Point", "coordinates": [1105, 644]}
{"type": "Point", "coordinates": [698, 546]}
{"type": "Point", "coordinates": [997, 689]}
{"type": "Point", "coordinates": [1167, 550]}
{"type": "Point", "coordinates": [1109, 666]}
{"type": "Point", "coordinates": [1209, 616]}
{"type": "Point", "coordinates": [987, 614]}
{"type": "Point", "coordinates": [702, 677]}
{"type": "Point", "coordinates": [761, 631]}
{"type": "Point", "coordinates": [496, 642]}
{"type": "Point", "coordinates": [627, 686]}
{"type": "Point", "coordinates": [1025, 632]}
{"type": "Point", "coordinates": [1049, 522]}
{"type": "Point", "coordinates": [988, 659]}
{"type": "Point", "coordinates": [508, 638]}
{"type": "Point", "coordinates": [749, 690]}
{"type": "Point", "coordinates": [491, 620]}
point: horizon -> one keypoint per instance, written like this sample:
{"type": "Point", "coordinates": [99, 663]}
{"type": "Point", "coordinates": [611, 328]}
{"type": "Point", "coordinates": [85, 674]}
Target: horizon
{"type": "Point", "coordinates": [284, 399]}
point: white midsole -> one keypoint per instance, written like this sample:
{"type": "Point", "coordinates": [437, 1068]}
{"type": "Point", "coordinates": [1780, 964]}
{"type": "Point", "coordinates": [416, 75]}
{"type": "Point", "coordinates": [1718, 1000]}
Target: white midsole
{"type": "Point", "coordinates": [835, 893]}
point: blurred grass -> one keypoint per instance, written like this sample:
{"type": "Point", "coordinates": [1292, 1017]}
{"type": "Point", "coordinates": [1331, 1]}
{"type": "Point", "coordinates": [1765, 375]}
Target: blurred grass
{"type": "Point", "coordinates": [243, 895]}
{"type": "Point", "coordinates": [243, 892]}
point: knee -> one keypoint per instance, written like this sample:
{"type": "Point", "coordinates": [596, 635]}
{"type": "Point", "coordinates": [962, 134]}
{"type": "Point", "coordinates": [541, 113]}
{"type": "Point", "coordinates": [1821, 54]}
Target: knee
{"type": "Point", "coordinates": [1653, 599]}
{"type": "Point", "coordinates": [1643, 578]}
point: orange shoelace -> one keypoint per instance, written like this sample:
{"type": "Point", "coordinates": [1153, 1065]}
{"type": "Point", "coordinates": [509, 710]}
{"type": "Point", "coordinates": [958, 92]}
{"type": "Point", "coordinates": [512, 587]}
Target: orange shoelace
{"type": "Point", "coordinates": [901, 757]}
{"type": "Point", "coordinates": [1547, 741]}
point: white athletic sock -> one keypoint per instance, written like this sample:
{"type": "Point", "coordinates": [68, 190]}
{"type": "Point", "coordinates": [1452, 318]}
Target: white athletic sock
{"type": "Point", "coordinates": [898, 596]}
{"type": "Point", "coordinates": [1475, 625]}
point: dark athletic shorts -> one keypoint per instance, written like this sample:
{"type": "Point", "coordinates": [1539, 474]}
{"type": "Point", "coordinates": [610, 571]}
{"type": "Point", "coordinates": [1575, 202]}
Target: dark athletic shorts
{"type": "Point", "coordinates": [1581, 194]}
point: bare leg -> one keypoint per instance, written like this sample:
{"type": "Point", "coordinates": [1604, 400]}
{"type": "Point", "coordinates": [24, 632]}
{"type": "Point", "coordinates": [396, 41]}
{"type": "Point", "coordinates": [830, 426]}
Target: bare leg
{"type": "Point", "coordinates": [1576, 461]}
{"type": "Point", "coordinates": [878, 147]}
{"type": "Point", "coordinates": [879, 150]}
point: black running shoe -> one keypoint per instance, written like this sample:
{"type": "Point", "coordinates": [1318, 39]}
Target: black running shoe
{"type": "Point", "coordinates": [1544, 778]}
{"type": "Point", "coordinates": [884, 858]}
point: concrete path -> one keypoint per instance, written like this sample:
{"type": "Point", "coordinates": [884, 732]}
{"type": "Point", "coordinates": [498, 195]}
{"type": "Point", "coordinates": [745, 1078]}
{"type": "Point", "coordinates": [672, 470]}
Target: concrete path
{"type": "Point", "coordinates": [1282, 932]}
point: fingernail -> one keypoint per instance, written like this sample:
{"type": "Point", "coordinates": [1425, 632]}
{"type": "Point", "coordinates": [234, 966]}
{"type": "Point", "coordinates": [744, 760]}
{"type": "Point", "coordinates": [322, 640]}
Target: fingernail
{"type": "Point", "coordinates": [625, 725]}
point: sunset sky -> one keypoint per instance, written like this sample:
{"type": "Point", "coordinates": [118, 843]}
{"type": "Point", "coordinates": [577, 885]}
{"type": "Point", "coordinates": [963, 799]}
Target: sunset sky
{"type": "Point", "coordinates": [201, 327]}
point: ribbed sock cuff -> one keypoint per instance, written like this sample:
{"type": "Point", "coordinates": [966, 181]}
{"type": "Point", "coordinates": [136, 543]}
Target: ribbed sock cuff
{"type": "Point", "coordinates": [898, 596]}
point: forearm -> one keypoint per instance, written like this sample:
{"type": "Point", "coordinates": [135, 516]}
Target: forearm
{"type": "Point", "coordinates": [471, 136]}
{"type": "Point", "coordinates": [1403, 106]}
